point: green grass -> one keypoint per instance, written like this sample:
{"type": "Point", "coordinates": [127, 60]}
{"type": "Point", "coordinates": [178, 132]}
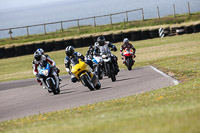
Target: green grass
{"type": "Point", "coordinates": [173, 109]}
{"type": "Point", "coordinates": [75, 31]}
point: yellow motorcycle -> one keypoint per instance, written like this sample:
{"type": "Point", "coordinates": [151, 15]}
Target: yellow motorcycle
{"type": "Point", "coordinates": [83, 73]}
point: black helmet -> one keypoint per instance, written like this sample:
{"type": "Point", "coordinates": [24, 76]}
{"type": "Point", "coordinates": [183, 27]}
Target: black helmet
{"type": "Point", "coordinates": [69, 50]}
{"type": "Point", "coordinates": [101, 40]}
{"type": "Point", "coordinates": [37, 56]}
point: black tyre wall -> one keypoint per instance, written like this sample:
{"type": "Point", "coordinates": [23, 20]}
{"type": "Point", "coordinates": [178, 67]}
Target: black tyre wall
{"type": "Point", "coordinates": [49, 46]}
{"type": "Point", "coordinates": [154, 33]}
{"type": "Point", "coordinates": [40, 45]}
{"type": "Point", "coordinates": [21, 50]}
{"type": "Point", "coordinates": [30, 49]}
{"type": "Point", "coordinates": [2, 52]}
{"type": "Point", "coordinates": [60, 45]}
{"type": "Point", "coordinates": [69, 42]}
{"type": "Point", "coordinates": [196, 28]}
{"type": "Point", "coordinates": [189, 29]}
{"type": "Point", "coordinates": [136, 35]}
{"type": "Point", "coordinates": [109, 37]}
{"type": "Point", "coordinates": [117, 37]}
{"type": "Point", "coordinates": [10, 52]}
{"type": "Point", "coordinates": [127, 35]}
{"type": "Point", "coordinates": [78, 42]}
{"type": "Point", "coordinates": [145, 34]}
{"type": "Point", "coordinates": [88, 41]}
{"type": "Point", "coordinates": [182, 29]}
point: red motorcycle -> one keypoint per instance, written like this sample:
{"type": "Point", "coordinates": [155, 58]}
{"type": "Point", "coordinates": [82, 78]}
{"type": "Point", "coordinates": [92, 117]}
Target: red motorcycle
{"type": "Point", "coordinates": [128, 57]}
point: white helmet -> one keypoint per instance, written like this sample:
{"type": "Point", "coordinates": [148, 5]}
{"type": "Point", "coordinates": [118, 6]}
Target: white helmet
{"type": "Point", "coordinates": [40, 50]}
{"type": "Point", "coordinates": [125, 40]}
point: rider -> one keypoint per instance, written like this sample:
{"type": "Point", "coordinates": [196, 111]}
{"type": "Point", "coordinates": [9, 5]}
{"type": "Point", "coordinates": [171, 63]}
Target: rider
{"type": "Point", "coordinates": [71, 54]}
{"type": "Point", "coordinates": [89, 56]}
{"type": "Point", "coordinates": [39, 58]}
{"type": "Point", "coordinates": [127, 44]}
{"type": "Point", "coordinates": [101, 46]}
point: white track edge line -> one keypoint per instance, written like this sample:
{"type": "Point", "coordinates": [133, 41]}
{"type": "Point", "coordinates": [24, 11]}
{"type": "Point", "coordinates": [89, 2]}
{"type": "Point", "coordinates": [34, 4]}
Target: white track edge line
{"type": "Point", "coordinates": [176, 82]}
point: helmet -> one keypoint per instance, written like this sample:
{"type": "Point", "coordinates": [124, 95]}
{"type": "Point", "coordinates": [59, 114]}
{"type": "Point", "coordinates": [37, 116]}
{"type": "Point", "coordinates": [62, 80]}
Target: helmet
{"type": "Point", "coordinates": [37, 56]}
{"type": "Point", "coordinates": [101, 40]}
{"type": "Point", "coordinates": [69, 50]}
{"type": "Point", "coordinates": [125, 40]}
{"type": "Point", "coordinates": [40, 50]}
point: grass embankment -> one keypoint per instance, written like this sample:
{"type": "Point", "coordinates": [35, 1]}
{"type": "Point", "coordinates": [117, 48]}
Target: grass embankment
{"type": "Point", "coordinates": [173, 109]}
{"type": "Point", "coordinates": [85, 30]}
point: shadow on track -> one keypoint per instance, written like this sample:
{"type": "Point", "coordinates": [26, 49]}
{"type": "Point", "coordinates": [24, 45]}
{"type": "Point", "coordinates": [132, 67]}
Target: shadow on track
{"type": "Point", "coordinates": [127, 79]}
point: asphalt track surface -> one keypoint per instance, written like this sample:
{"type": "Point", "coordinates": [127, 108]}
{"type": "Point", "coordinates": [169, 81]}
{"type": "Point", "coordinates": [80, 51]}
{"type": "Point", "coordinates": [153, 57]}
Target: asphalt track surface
{"type": "Point", "coordinates": [26, 97]}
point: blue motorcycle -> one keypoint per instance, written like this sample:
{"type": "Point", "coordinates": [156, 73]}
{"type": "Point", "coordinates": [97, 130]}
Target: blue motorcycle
{"type": "Point", "coordinates": [49, 78]}
{"type": "Point", "coordinates": [98, 66]}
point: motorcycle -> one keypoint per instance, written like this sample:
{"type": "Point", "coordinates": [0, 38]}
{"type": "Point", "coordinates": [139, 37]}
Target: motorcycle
{"type": "Point", "coordinates": [49, 78]}
{"type": "Point", "coordinates": [109, 66]}
{"type": "Point", "coordinates": [83, 73]}
{"type": "Point", "coordinates": [128, 57]}
{"type": "Point", "coordinates": [98, 65]}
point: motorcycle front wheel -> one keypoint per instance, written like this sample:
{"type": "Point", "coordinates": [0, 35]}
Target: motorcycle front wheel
{"type": "Point", "coordinates": [87, 82]}
{"type": "Point", "coordinates": [52, 87]}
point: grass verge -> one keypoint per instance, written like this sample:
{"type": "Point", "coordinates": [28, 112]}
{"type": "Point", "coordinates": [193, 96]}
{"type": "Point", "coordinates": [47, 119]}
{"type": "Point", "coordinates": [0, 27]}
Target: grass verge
{"type": "Point", "coordinates": [75, 31]}
{"type": "Point", "coordinates": [172, 109]}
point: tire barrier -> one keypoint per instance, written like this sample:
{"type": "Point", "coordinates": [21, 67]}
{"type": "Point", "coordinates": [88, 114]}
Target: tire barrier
{"type": "Point", "coordinates": [49, 46]}
{"type": "Point", "coordinates": [127, 35]}
{"type": "Point", "coordinates": [117, 37]}
{"type": "Point", "coordinates": [180, 30]}
{"type": "Point", "coordinates": [154, 33]}
{"type": "Point", "coordinates": [109, 37]}
{"type": "Point", "coordinates": [167, 31]}
{"type": "Point", "coordinates": [21, 50]}
{"type": "Point", "coordinates": [69, 42]}
{"type": "Point", "coordinates": [60, 45]}
{"type": "Point", "coordinates": [189, 29]}
{"type": "Point", "coordinates": [2, 52]}
{"type": "Point", "coordinates": [10, 52]}
{"type": "Point", "coordinates": [40, 45]}
{"type": "Point", "coordinates": [136, 35]}
{"type": "Point", "coordinates": [88, 41]}
{"type": "Point", "coordinates": [196, 28]}
{"type": "Point", "coordinates": [30, 48]}
{"type": "Point", "coordinates": [145, 34]}
{"type": "Point", "coordinates": [78, 42]}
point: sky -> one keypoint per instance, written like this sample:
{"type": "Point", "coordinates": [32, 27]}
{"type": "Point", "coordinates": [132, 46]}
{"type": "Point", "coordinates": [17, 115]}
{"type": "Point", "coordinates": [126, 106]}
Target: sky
{"type": "Point", "coordinates": [12, 4]}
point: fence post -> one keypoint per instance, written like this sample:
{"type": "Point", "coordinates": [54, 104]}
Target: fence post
{"type": "Point", "coordinates": [126, 16]}
{"type": "Point", "coordinates": [111, 19]}
{"type": "Point", "coordinates": [158, 12]}
{"type": "Point", "coordinates": [45, 32]}
{"type": "Point", "coordinates": [189, 8]}
{"type": "Point", "coordinates": [10, 32]}
{"type": "Point", "coordinates": [142, 14]}
{"type": "Point", "coordinates": [174, 10]}
{"type": "Point", "coordinates": [27, 30]}
{"type": "Point", "coordinates": [78, 24]}
{"type": "Point", "coordinates": [124, 23]}
{"type": "Point", "coordinates": [61, 24]}
{"type": "Point", "coordinates": [95, 22]}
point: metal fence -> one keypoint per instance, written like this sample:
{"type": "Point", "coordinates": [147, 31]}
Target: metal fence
{"type": "Point", "coordinates": [62, 25]}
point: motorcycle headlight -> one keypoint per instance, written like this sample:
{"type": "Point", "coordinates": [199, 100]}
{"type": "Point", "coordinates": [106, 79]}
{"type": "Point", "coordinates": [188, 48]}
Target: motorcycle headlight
{"type": "Point", "coordinates": [45, 72]}
{"type": "Point", "coordinates": [103, 56]}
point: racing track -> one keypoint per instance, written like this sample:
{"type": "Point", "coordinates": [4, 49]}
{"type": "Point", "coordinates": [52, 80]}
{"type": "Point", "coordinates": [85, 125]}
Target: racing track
{"type": "Point", "coordinates": [25, 97]}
